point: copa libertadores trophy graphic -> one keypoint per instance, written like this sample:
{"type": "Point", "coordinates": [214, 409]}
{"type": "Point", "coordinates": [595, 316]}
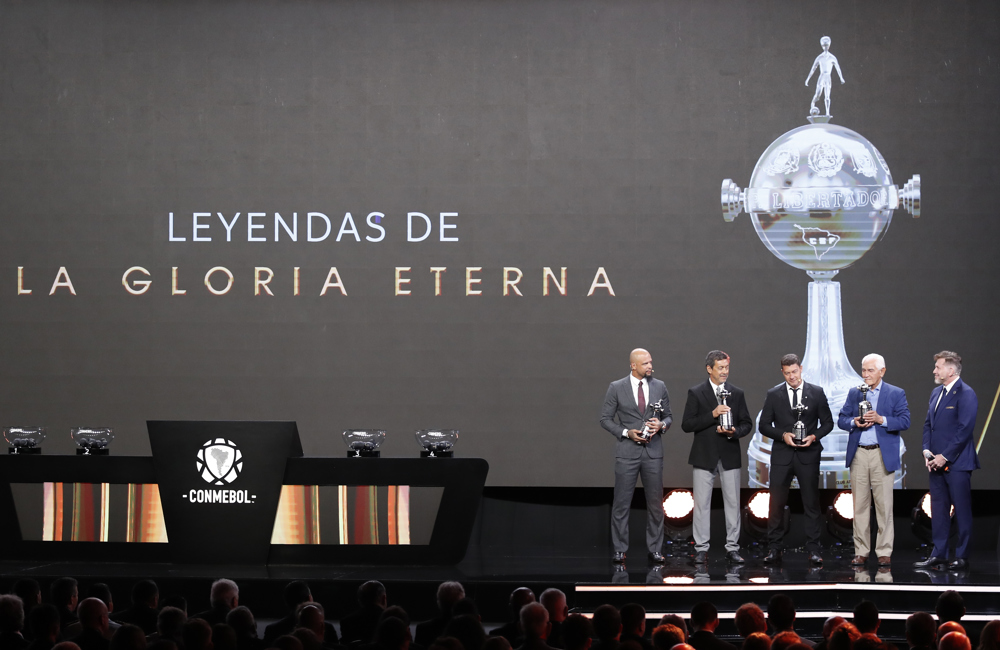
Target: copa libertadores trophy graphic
{"type": "Point", "coordinates": [819, 197]}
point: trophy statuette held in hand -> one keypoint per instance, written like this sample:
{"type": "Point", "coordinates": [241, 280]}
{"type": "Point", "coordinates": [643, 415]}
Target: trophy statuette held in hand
{"type": "Point", "coordinates": [799, 428]}
{"type": "Point", "coordinates": [725, 419]}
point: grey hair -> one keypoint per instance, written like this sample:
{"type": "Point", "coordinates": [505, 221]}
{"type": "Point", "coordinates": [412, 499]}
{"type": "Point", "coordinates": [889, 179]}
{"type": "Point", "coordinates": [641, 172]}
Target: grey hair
{"type": "Point", "coordinates": [877, 358]}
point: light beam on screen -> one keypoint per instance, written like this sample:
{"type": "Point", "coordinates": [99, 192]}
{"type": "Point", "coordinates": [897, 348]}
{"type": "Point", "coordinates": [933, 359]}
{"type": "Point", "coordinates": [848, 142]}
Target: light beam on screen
{"type": "Point", "coordinates": [988, 418]}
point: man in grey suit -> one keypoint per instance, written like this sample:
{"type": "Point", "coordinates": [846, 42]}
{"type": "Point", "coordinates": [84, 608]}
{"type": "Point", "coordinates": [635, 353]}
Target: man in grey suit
{"type": "Point", "coordinates": [629, 415]}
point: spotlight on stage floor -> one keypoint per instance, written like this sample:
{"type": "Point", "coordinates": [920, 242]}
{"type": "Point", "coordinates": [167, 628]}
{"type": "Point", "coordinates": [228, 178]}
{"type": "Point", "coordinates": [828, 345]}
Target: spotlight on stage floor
{"type": "Point", "coordinates": [755, 514]}
{"type": "Point", "coordinates": [678, 511]}
{"type": "Point", "coordinates": [920, 520]}
{"type": "Point", "coordinates": [840, 522]}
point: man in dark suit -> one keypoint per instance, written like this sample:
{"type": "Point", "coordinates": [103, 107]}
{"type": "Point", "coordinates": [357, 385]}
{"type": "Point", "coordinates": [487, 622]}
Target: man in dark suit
{"type": "Point", "coordinates": [715, 450]}
{"type": "Point", "coordinates": [789, 459]}
{"type": "Point", "coordinates": [873, 457]}
{"type": "Point", "coordinates": [951, 416]}
{"type": "Point", "coordinates": [360, 624]}
{"type": "Point", "coordinates": [628, 414]}
{"type": "Point", "coordinates": [704, 621]}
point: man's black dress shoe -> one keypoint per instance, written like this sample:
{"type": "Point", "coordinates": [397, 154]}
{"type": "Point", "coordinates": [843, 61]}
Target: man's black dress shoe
{"type": "Point", "coordinates": [816, 559]}
{"type": "Point", "coordinates": [931, 562]}
{"type": "Point", "coordinates": [701, 557]}
{"type": "Point", "coordinates": [618, 558]}
{"type": "Point", "coordinates": [773, 556]}
{"type": "Point", "coordinates": [958, 564]}
{"type": "Point", "coordinates": [734, 557]}
{"type": "Point", "coordinates": [656, 557]}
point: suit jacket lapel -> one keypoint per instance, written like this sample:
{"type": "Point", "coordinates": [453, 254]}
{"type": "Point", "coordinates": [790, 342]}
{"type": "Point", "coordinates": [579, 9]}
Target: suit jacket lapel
{"type": "Point", "coordinates": [935, 405]}
{"type": "Point", "coordinates": [631, 394]}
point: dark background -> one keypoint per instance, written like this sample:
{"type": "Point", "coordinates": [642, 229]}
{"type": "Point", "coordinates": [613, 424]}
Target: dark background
{"type": "Point", "coordinates": [564, 133]}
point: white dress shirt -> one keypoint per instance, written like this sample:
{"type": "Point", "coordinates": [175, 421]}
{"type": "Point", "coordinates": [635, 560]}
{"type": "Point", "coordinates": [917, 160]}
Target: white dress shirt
{"type": "Point", "coordinates": [635, 394]}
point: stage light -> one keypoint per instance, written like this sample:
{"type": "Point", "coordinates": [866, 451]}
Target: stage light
{"type": "Point", "coordinates": [925, 506]}
{"type": "Point", "coordinates": [840, 518]}
{"type": "Point", "coordinates": [678, 504]}
{"type": "Point", "coordinates": [920, 520]}
{"type": "Point", "coordinates": [24, 440]}
{"type": "Point", "coordinates": [678, 580]}
{"type": "Point", "coordinates": [759, 505]}
{"type": "Point", "coordinates": [843, 503]}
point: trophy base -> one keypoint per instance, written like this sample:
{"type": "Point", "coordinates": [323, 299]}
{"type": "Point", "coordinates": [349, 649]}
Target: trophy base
{"type": "Point", "coordinates": [437, 454]}
{"type": "Point", "coordinates": [19, 451]}
{"type": "Point", "coordinates": [93, 452]}
{"type": "Point", "coordinates": [364, 453]}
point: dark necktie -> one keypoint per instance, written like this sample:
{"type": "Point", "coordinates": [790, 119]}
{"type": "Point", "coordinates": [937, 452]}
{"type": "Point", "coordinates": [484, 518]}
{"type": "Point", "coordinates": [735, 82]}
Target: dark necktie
{"type": "Point", "coordinates": [795, 397]}
{"type": "Point", "coordinates": [642, 400]}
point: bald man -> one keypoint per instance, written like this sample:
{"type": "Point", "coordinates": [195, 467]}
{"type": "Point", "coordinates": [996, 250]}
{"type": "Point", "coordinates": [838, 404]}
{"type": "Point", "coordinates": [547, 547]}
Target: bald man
{"type": "Point", "coordinates": [629, 415]}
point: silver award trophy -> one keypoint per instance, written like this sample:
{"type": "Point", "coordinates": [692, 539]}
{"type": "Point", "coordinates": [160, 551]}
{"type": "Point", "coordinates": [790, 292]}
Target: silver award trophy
{"type": "Point", "coordinates": [819, 198]}
{"type": "Point", "coordinates": [799, 428]}
{"type": "Point", "coordinates": [725, 419]}
{"type": "Point", "coordinates": [864, 406]}
{"type": "Point", "coordinates": [658, 414]}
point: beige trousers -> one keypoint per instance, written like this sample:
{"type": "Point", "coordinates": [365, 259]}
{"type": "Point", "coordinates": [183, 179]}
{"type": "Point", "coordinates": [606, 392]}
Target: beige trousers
{"type": "Point", "coordinates": [869, 480]}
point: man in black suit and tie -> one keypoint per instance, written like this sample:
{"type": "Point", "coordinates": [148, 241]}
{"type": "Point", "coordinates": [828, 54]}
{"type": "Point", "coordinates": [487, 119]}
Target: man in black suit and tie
{"type": "Point", "coordinates": [628, 414]}
{"type": "Point", "coordinates": [789, 459]}
{"type": "Point", "coordinates": [716, 451]}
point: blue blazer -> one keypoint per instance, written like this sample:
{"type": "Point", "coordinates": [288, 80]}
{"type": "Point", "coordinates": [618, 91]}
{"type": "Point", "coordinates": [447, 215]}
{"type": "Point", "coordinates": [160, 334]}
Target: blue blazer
{"type": "Point", "coordinates": [893, 407]}
{"type": "Point", "coordinates": [948, 431]}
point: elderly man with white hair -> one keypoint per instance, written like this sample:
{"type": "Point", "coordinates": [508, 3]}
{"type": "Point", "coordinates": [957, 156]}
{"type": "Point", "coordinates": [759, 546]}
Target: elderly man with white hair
{"type": "Point", "coordinates": [873, 456]}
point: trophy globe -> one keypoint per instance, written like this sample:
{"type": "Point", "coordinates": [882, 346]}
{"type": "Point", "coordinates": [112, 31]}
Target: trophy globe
{"type": "Point", "coordinates": [819, 198]}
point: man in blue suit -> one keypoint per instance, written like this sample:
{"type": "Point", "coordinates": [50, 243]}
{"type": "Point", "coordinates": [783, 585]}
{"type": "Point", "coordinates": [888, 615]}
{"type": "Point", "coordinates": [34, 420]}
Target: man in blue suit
{"type": "Point", "coordinates": [950, 457]}
{"type": "Point", "coordinates": [873, 457]}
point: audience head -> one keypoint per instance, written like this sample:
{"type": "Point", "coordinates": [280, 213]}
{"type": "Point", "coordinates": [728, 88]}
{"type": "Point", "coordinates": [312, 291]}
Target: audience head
{"type": "Point", "coordinates": [843, 637]}
{"type": "Point", "coordinates": [372, 594]}
{"type": "Point", "coordinates": [831, 624]}
{"type": "Point", "coordinates": [64, 594]}
{"type": "Point", "coordinates": [448, 594]}
{"type": "Point", "coordinates": [519, 598]}
{"type": "Point", "coordinates": [633, 619]}
{"type": "Point", "coordinates": [43, 621]}
{"type": "Point", "coordinates": [179, 602]}
{"type": "Point", "coordinates": [535, 621]}
{"type": "Point", "coordinates": [607, 623]}
{"type": "Point", "coordinates": [780, 613]}
{"type": "Point", "coordinates": [554, 601]}
{"type": "Point", "coordinates": [102, 592]}
{"type": "Point", "coordinates": [467, 629]}
{"type": "Point", "coordinates": [989, 638]}
{"type": "Point", "coordinates": [445, 643]}
{"type": "Point", "coordinates": [66, 645]}
{"type": "Point", "coordinates": [921, 630]}
{"type": "Point", "coordinates": [954, 641]}
{"type": "Point", "coordinates": [392, 634]}
{"type": "Point", "coordinates": [285, 642]}
{"type": "Point", "coordinates": [93, 615]}
{"type": "Point", "coordinates": [170, 623]}
{"type": "Point", "coordinates": [496, 643]}
{"type": "Point", "coordinates": [749, 619]}
{"type": "Point", "coordinates": [310, 616]}
{"type": "Point", "coordinates": [757, 641]}
{"type": "Point", "coordinates": [160, 644]}
{"type": "Point", "coordinates": [223, 637]}
{"type": "Point", "coordinates": [128, 637]}
{"type": "Point", "coordinates": [146, 593]}
{"type": "Point", "coordinates": [225, 594]}
{"type": "Point", "coordinates": [950, 606]}
{"type": "Point", "coordinates": [667, 636]}
{"type": "Point", "coordinates": [308, 639]}
{"type": "Point", "coordinates": [196, 634]}
{"type": "Point", "coordinates": [683, 646]}
{"type": "Point", "coordinates": [674, 619]}
{"type": "Point", "coordinates": [577, 632]}
{"type": "Point", "coordinates": [296, 593]}
{"type": "Point", "coordinates": [950, 626]}
{"type": "Point", "coordinates": [11, 614]}
{"type": "Point", "coordinates": [785, 640]}
{"type": "Point", "coordinates": [242, 621]}
{"type": "Point", "coordinates": [704, 616]}
{"type": "Point", "coordinates": [870, 641]}
{"type": "Point", "coordinates": [866, 617]}
{"type": "Point", "coordinates": [466, 607]}
{"type": "Point", "coordinates": [30, 593]}
{"type": "Point", "coordinates": [395, 611]}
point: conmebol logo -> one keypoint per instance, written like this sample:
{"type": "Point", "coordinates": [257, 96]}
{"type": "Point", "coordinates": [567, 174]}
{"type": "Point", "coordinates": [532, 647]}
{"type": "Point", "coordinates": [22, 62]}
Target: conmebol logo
{"type": "Point", "coordinates": [219, 461]}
